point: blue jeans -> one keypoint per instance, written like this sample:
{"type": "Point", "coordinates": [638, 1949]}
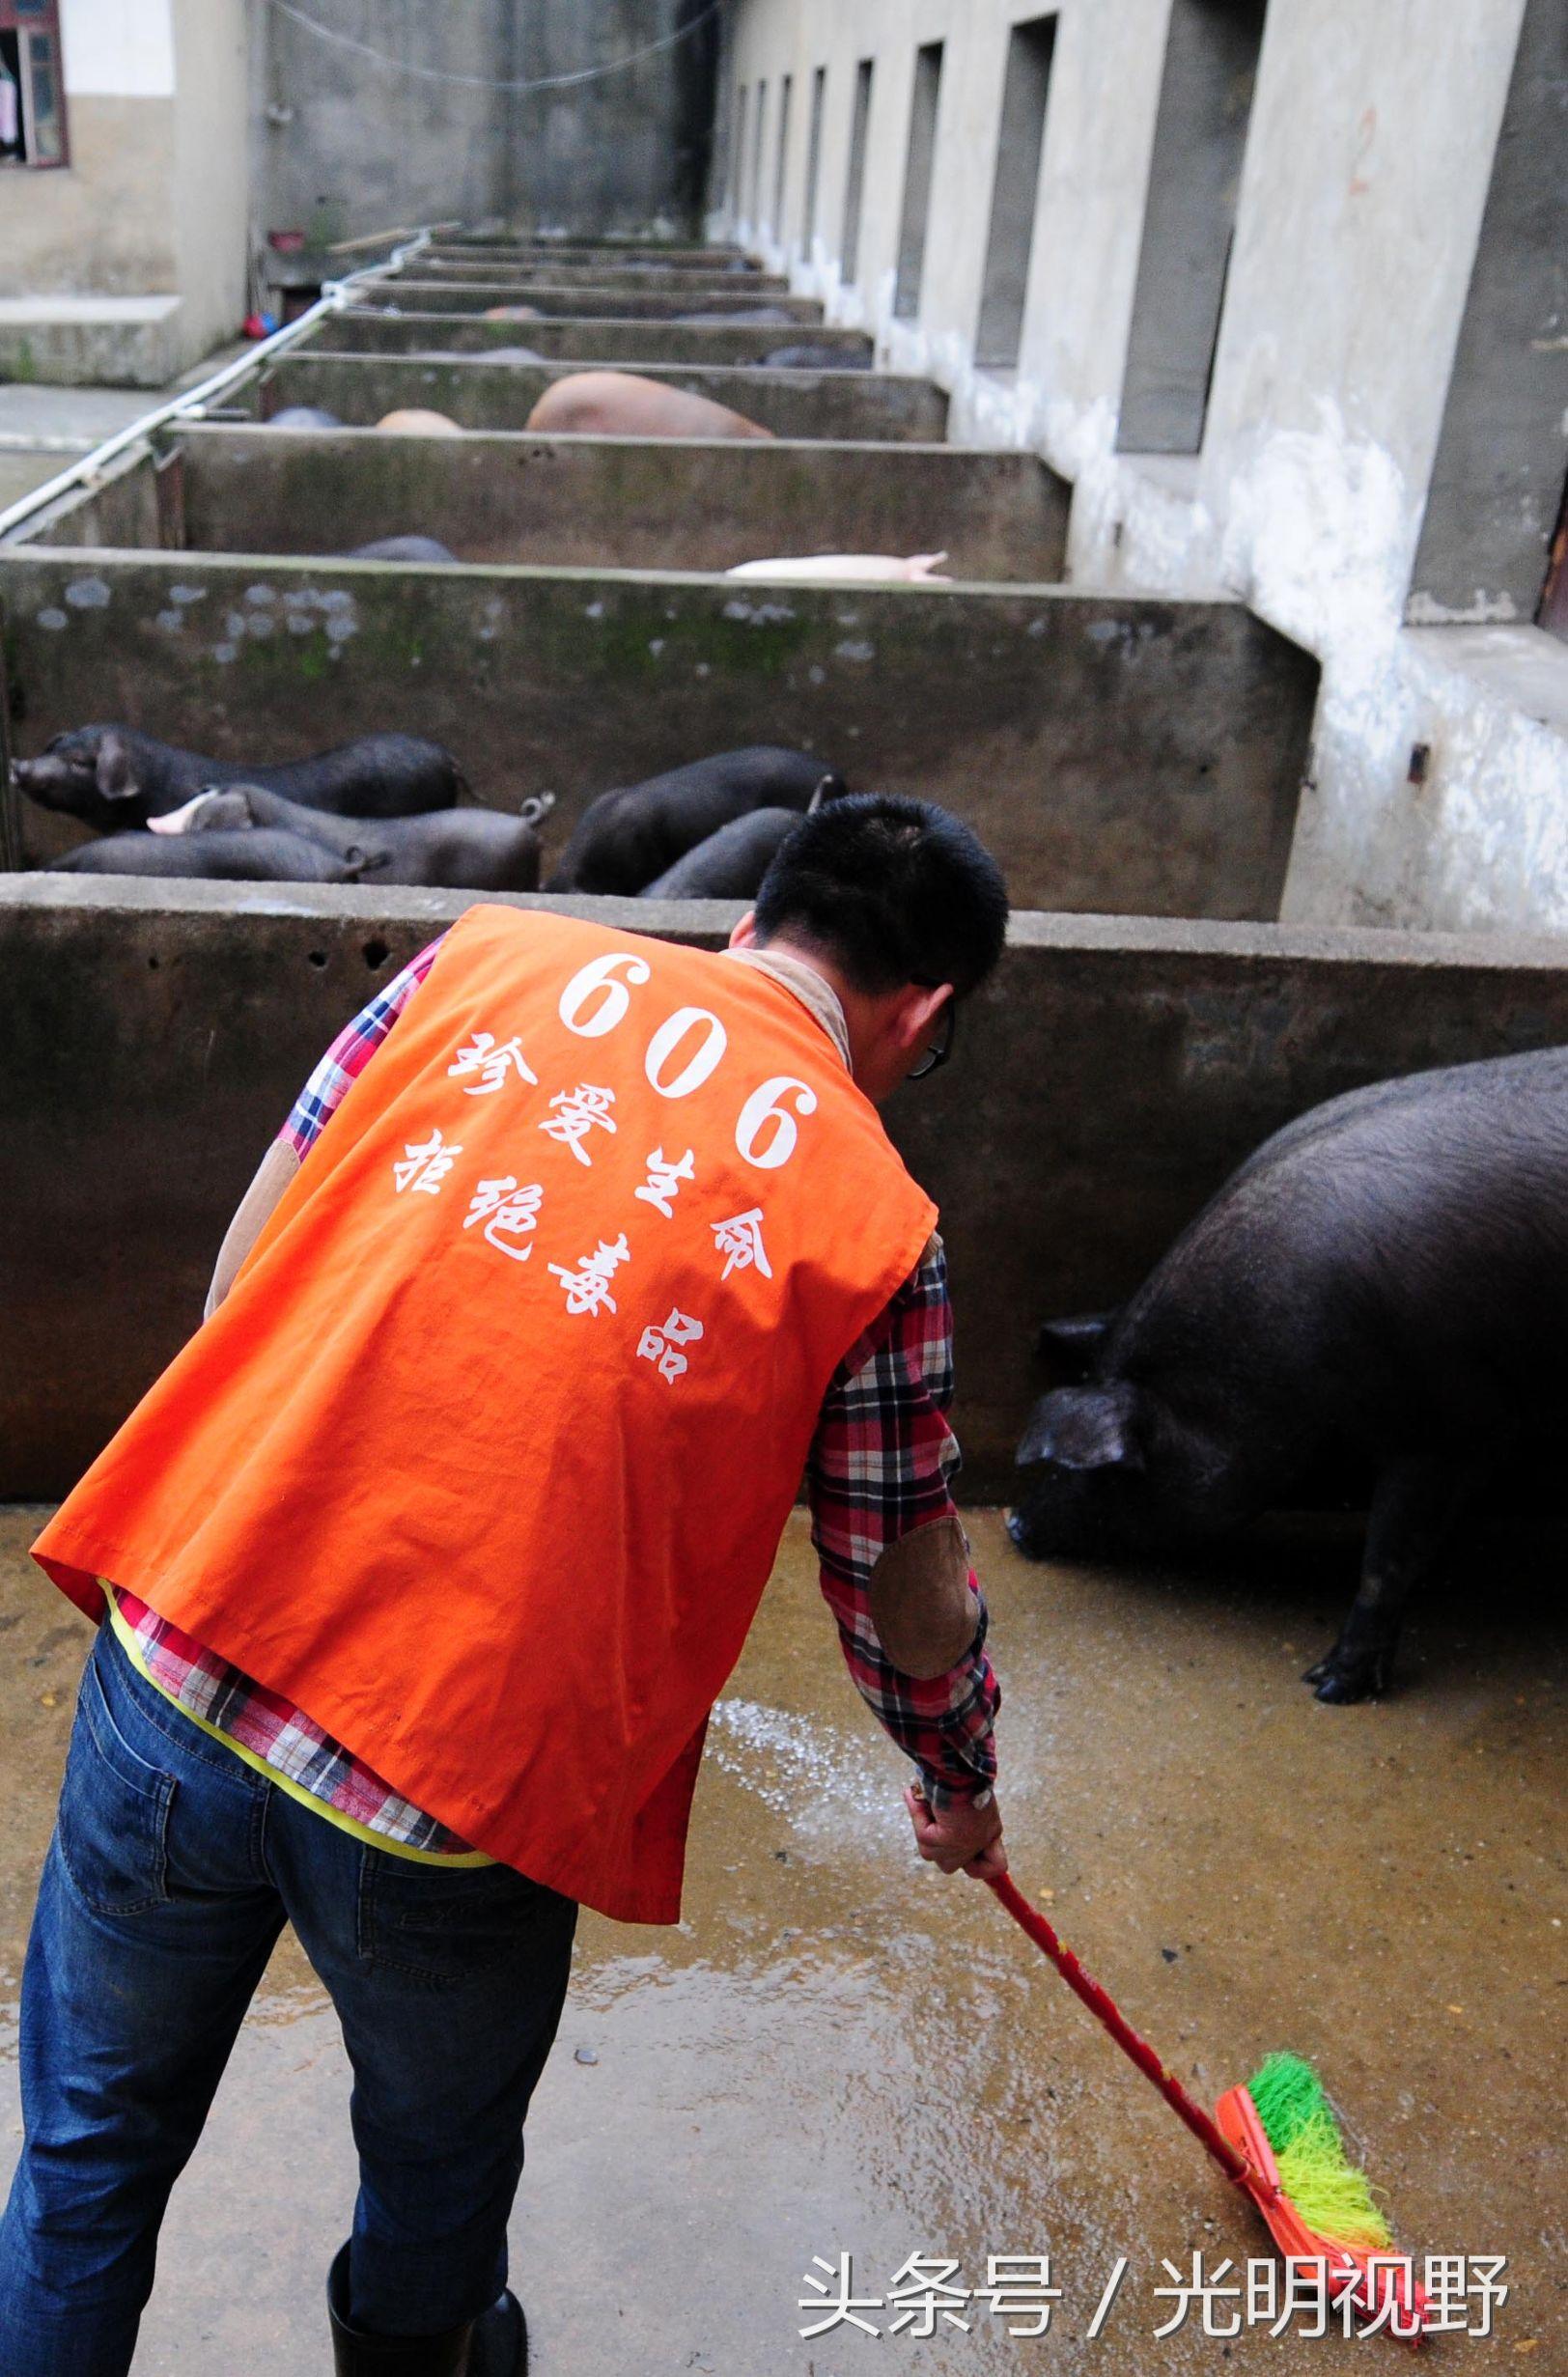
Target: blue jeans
{"type": "Point", "coordinates": [172, 1871]}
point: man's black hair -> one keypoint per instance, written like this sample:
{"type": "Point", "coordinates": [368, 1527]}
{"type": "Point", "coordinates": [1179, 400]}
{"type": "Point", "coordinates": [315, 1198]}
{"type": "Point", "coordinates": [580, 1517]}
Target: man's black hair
{"type": "Point", "coordinates": [893, 890]}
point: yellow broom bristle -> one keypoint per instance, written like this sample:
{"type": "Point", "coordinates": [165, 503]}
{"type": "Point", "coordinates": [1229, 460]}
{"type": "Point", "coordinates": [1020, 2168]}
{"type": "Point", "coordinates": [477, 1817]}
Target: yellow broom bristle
{"type": "Point", "coordinates": [1332, 2195]}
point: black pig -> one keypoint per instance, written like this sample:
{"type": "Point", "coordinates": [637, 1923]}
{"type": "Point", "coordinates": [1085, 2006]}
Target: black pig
{"type": "Point", "coordinates": [731, 864]}
{"type": "Point", "coordinates": [112, 776]}
{"type": "Point", "coordinates": [809, 358]}
{"type": "Point", "coordinates": [427, 550]}
{"type": "Point", "coordinates": [627, 837]}
{"type": "Point", "coordinates": [463, 849]}
{"type": "Point", "coordinates": [778, 316]}
{"type": "Point", "coordinates": [1387, 1278]}
{"type": "Point", "coordinates": [238, 858]}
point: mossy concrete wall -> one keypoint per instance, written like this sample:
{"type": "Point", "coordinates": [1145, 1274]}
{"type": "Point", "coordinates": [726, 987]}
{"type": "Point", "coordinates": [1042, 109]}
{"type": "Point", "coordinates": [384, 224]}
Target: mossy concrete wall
{"type": "Point", "coordinates": [119, 508]}
{"type": "Point", "coordinates": [688, 282]}
{"type": "Point", "coordinates": [614, 261]}
{"type": "Point", "coordinates": [500, 396]}
{"type": "Point", "coordinates": [620, 301]}
{"type": "Point", "coordinates": [507, 246]}
{"type": "Point", "coordinates": [607, 502]}
{"type": "Point", "coordinates": [1123, 755]}
{"type": "Point", "coordinates": [1103, 1087]}
{"type": "Point", "coordinates": [364, 331]}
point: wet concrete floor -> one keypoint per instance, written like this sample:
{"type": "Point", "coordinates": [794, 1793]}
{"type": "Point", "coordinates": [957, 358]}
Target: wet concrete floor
{"type": "Point", "coordinates": [841, 2052]}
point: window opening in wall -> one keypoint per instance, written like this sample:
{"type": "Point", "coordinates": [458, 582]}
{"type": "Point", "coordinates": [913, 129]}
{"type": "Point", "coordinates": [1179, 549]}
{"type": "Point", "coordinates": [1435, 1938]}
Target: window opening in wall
{"type": "Point", "coordinates": [737, 151]}
{"type": "Point", "coordinates": [32, 88]}
{"type": "Point", "coordinates": [759, 141]}
{"type": "Point", "coordinates": [859, 129]}
{"type": "Point", "coordinates": [1019, 143]}
{"type": "Point", "coordinates": [911, 235]}
{"type": "Point", "coordinates": [808, 202]}
{"type": "Point", "coordinates": [1493, 532]}
{"type": "Point", "coordinates": [1188, 222]}
{"type": "Point", "coordinates": [781, 161]}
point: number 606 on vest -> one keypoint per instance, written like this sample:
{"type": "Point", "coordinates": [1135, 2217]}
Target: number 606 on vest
{"type": "Point", "coordinates": [597, 999]}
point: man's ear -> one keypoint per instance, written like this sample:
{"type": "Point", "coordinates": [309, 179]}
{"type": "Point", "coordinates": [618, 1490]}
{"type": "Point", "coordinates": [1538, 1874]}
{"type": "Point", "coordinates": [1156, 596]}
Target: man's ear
{"type": "Point", "coordinates": [112, 770]}
{"type": "Point", "coordinates": [743, 933]}
{"type": "Point", "coordinates": [1085, 1428]}
{"type": "Point", "coordinates": [917, 1014]}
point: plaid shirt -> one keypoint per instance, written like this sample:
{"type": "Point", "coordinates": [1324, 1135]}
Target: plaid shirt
{"type": "Point", "coordinates": [879, 1466]}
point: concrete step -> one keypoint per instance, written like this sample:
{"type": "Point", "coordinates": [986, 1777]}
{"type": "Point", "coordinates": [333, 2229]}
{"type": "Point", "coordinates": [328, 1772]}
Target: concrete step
{"type": "Point", "coordinates": [76, 342]}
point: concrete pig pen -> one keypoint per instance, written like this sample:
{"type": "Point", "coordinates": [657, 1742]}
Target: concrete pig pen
{"type": "Point", "coordinates": [360, 389]}
{"type": "Point", "coordinates": [437, 264]}
{"type": "Point", "coordinates": [1118, 753]}
{"type": "Point", "coordinates": [623, 300]}
{"type": "Point", "coordinates": [1103, 1084]}
{"type": "Point", "coordinates": [364, 331]}
{"type": "Point", "coordinates": [511, 246]}
{"type": "Point", "coordinates": [626, 503]}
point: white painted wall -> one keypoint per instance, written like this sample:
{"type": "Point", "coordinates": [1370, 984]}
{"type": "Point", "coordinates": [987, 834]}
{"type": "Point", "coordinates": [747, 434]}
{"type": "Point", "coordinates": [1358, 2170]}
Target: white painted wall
{"type": "Point", "coordinates": [212, 166]}
{"type": "Point", "coordinates": [1367, 165]}
{"type": "Point", "coordinates": [154, 201]}
{"type": "Point", "coordinates": [118, 48]}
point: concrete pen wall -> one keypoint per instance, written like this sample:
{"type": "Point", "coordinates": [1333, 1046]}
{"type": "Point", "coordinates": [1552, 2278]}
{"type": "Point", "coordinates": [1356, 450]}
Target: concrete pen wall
{"type": "Point", "coordinates": [500, 396]}
{"type": "Point", "coordinates": [506, 247]}
{"type": "Point", "coordinates": [598, 502]}
{"type": "Point", "coordinates": [620, 300]}
{"type": "Point", "coordinates": [1147, 760]}
{"type": "Point", "coordinates": [1102, 1087]}
{"type": "Point", "coordinates": [688, 282]}
{"type": "Point", "coordinates": [629, 345]}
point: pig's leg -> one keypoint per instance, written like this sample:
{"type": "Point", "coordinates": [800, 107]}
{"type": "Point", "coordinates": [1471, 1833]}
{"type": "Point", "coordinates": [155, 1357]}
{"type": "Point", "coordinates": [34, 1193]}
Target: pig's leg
{"type": "Point", "coordinates": [1415, 1506]}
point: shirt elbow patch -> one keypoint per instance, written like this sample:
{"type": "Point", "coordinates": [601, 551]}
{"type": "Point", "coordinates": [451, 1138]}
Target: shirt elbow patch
{"type": "Point", "coordinates": [925, 1615]}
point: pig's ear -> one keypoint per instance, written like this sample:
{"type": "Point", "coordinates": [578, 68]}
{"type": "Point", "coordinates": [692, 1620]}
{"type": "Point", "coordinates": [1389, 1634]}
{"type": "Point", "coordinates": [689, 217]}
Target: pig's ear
{"type": "Point", "coordinates": [113, 770]}
{"type": "Point", "coordinates": [1084, 1428]}
{"type": "Point", "coordinates": [1075, 1339]}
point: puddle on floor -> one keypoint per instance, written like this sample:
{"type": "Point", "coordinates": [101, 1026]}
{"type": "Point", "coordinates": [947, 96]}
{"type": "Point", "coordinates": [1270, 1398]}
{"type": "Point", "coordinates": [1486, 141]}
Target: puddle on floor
{"type": "Point", "coordinates": [839, 2051]}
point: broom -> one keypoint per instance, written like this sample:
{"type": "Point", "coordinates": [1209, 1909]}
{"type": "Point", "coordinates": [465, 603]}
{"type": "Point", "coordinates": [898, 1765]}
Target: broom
{"type": "Point", "coordinates": [1278, 2139]}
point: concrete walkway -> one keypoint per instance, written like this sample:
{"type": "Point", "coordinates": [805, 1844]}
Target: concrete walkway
{"type": "Point", "coordinates": [42, 429]}
{"type": "Point", "coordinates": [840, 2052]}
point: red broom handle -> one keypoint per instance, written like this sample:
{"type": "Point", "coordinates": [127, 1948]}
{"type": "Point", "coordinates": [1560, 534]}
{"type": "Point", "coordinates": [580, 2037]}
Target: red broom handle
{"type": "Point", "coordinates": [1106, 2011]}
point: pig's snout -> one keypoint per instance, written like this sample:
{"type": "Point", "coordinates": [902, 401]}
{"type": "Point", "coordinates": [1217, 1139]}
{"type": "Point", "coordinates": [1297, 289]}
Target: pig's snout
{"type": "Point", "coordinates": [51, 781]}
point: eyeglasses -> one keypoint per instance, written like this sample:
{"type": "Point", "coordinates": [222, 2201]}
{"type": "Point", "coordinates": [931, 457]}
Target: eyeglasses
{"type": "Point", "coordinates": [941, 1047]}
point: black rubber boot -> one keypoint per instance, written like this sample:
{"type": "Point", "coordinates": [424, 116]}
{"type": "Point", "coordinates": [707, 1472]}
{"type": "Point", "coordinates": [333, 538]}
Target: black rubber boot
{"type": "Point", "coordinates": [495, 2344]}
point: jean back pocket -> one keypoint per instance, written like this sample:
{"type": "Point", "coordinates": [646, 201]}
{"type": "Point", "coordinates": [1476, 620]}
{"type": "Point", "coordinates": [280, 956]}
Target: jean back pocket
{"type": "Point", "coordinates": [113, 1812]}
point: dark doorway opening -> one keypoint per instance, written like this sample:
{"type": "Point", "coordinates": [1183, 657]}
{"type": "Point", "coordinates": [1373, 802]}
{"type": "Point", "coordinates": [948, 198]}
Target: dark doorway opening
{"type": "Point", "coordinates": [1189, 223]}
{"type": "Point", "coordinates": [1019, 140]}
{"type": "Point", "coordinates": [808, 202]}
{"type": "Point", "coordinates": [1492, 536]}
{"type": "Point", "coordinates": [854, 184]}
{"type": "Point", "coordinates": [917, 174]}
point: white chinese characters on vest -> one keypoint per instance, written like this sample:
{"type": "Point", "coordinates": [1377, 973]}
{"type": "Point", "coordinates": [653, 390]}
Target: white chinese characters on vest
{"type": "Point", "coordinates": [684, 1052]}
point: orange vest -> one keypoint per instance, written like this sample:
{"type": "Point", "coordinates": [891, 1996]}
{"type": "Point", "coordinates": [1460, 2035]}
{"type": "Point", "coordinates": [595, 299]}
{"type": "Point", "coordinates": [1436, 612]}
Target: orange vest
{"type": "Point", "coordinates": [484, 1458]}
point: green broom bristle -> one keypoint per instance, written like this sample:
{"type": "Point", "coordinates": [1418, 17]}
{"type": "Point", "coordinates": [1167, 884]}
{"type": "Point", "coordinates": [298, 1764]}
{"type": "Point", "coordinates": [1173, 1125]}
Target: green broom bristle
{"type": "Point", "coordinates": [1332, 2195]}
